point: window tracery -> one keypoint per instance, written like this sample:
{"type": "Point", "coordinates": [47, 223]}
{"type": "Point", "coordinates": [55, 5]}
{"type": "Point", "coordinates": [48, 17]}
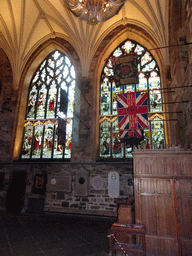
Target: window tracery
{"type": "Point", "coordinates": [54, 77]}
{"type": "Point", "coordinates": [149, 80]}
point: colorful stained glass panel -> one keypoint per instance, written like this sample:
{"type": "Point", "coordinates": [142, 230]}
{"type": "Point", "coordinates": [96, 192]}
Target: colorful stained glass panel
{"type": "Point", "coordinates": [128, 46]}
{"type": "Point", "coordinates": [31, 103]}
{"type": "Point", "coordinates": [58, 149]}
{"type": "Point", "coordinates": [154, 80]}
{"type": "Point", "coordinates": [117, 146]}
{"type": "Point", "coordinates": [37, 141]}
{"type": "Point", "coordinates": [27, 141]}
{"type": "Point", "coordinates": [142, 86]}
{"type": "Point", "coordinates": [54, 73]}
{"type": "Point", "coordinates": [68, 139]}
{"type": "Point", "coordinates": [105, 138]}
{"type": "Point", "coordinates": [48, 140]}
{"type": "Point", "coordinates": [149, 80]}
{"type": "Point", "coordinates": [41, 103]}
{"type": "Point", "coordinates": [155, 101]}
{"type": "Point", "coordinates": [115, 91]}
{"type": "Point", "coordinates": [146, 58]}
{"type": "Point", "coordinates": [51, 101]}
{"type": "Point", "coordinates": [157, 132]}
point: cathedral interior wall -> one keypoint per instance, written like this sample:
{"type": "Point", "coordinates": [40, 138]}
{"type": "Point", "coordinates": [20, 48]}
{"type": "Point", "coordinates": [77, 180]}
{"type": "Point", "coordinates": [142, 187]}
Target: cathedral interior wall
{"type": "Point", "coordinates": [181, 72]}
{"type": "Point", "coordinates": [71, 188]}
{"type": "Point", "coordinates": [86, 189]}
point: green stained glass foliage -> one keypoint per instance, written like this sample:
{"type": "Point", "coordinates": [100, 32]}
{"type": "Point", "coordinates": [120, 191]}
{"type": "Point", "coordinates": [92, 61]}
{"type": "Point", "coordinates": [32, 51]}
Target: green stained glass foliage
{"type": "Point", "coordinates": [149, 81]}
{"type": "Point", "coordinates": [40, 139]}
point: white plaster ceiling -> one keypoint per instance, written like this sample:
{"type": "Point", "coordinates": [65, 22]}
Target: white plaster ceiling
{"type": "Point", "coordinates": [25, 24]}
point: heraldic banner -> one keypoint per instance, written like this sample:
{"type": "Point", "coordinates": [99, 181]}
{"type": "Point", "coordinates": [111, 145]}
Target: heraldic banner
{"type": "Point", "coordinates": [125, 69]}
{"type": "Point", "coordinates": [63, 101]}
{"type": "Point", "coordinates": [61, 131]}
{"type": "Point", "coordinates": [132, 114]}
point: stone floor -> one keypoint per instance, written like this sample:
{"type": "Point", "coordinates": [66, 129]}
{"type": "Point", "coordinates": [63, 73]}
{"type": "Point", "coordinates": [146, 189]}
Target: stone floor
{"type": "Point", "coordinates": [51, 234]}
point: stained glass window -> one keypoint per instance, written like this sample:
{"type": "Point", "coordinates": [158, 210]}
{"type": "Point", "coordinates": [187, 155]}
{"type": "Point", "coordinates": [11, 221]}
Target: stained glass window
{"type": "Point", "coordinates": [53, 82]}
{"type": "Point", "coordinates": [149, 81]}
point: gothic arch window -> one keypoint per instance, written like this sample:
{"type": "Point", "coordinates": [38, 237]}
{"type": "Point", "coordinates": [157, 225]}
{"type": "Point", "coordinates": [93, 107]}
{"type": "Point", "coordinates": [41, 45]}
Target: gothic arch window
{"type": "Point", "coordinates": [50, 96]}
{"type": "Point", "coordinates": [150, 81]}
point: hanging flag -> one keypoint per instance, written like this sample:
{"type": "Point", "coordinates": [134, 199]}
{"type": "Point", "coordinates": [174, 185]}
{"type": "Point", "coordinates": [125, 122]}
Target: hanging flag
{"type": "Point", "coordinates": [63, 101]}
{"type": "Point", "coordinates": [125, 69]}
{"type": "Point", "coordinates": [132, 114]}
{"type": "Point", "coordinates": [126, 134]}
{"type": "Point", "coordinates": [61, 131]}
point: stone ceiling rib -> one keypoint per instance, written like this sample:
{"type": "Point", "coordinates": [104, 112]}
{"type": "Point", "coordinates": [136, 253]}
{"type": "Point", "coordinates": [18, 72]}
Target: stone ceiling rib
{"type": "Point", "coordinates": [43, 15]}
{"type": "Point", "coordinates": [22, 20]}
{"type": "Point", "coordinates": [23, 6]}
{"type": "Point", "coordinates": [15, 36]}
{"type": "Point", "coordinates": [162, 20]}
{"type": "Point", "coordinates": [157, 22]}
{"type": "Point", "coordinates": [7, 34]}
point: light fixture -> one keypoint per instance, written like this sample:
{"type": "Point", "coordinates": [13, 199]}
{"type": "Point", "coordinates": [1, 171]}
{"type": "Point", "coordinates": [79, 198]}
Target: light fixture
{"type": "Point", "coordinates": [94, 11]}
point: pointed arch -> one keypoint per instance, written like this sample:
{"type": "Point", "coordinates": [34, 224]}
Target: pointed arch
{"type": "Point", "coordinates": [38, 57]}
{"type": "Point", "coordinates": [115, 37]}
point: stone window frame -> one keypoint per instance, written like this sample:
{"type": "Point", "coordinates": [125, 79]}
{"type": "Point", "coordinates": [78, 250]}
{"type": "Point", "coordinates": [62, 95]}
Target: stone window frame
{"type": "Point", "coordinates": [35, 59]}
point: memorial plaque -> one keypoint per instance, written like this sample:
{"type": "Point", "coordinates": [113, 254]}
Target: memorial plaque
{"type": "Point", "coordinates": [97, 182]}
{"type": "Point", "coordinates": [59, 183]}
{"type": "Point", "coordinates": [126, 184]}
{"type": "Point", "coordinates": [81, 183]}
{"type": "Point", "coordinates": [113, 184]}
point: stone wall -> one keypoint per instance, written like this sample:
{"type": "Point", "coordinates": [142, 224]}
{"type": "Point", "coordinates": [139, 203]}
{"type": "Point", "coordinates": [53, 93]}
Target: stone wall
{"type": "Point", "coordinates": [7, 107]}
{"type": "Point", "coordinates": [62, 192]}
{"type": "Point", "coordinates": [181, 71]}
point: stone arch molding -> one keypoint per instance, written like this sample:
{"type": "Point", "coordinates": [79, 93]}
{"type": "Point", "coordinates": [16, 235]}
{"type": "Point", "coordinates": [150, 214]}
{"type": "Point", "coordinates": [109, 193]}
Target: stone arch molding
{"type": "Point", "coordinates": [34, 61]}
{"type": "Point", "coordinates": [111, 41]}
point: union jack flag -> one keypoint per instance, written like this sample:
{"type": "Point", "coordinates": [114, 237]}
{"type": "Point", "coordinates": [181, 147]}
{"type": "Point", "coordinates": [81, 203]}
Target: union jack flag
{"type": "Point", "coordinates": [126, 134]}
{"type": "Point", "coordinates": [132, 114]}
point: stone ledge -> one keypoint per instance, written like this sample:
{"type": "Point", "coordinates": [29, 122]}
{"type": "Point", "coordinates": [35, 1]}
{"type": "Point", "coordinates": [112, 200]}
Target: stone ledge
{"type": "Point", "coordinates": [80, 211]}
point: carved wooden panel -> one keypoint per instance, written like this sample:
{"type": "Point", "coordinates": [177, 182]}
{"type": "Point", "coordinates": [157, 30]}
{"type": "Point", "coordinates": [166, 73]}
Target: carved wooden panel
{"type": "Point", "coordinates": [154, 172]}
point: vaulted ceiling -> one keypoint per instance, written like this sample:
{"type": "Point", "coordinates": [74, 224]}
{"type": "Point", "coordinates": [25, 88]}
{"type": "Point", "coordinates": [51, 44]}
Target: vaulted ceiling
{"type": "Point", "coordinates": [25, 24]}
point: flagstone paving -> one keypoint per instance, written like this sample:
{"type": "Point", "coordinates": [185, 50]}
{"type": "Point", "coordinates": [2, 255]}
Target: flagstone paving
{"type": "Point", "coordinates": [52, 234]}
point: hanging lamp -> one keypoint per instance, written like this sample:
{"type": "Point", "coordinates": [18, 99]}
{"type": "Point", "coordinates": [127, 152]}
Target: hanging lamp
{"type": "Point", "coordinates": [94, 11]}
